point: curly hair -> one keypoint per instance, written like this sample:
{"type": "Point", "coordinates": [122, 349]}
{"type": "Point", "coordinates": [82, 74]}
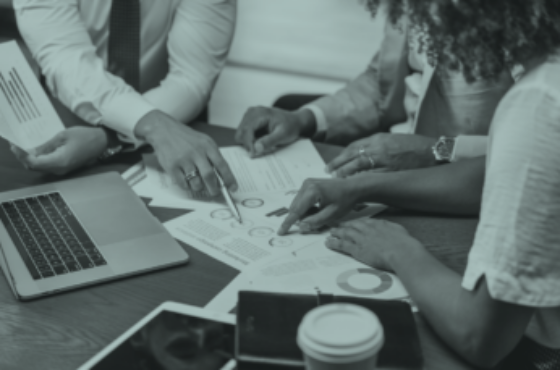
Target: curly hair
{"type": "Point", "coordinates": [481, 38]}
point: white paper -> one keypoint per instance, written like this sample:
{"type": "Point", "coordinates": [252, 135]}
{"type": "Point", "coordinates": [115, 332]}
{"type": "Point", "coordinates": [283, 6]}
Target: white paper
{"type": "Point", "coordinates": [27, 117]}
{"type": "Point", "coordinates": [213, 230]}
{"type": "Point", "coordinates": [283, 171]}
{"type": "Point", "coordinates": [311, 270]}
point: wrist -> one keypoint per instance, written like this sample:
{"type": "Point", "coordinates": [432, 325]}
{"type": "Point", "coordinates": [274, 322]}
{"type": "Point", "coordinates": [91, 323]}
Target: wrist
{"type": "Point", "coordinates": [400, 257]}
{"type": "Point", "coordinates": [151, 126]}
{"type": "Point", "coordinates": [306, 122]}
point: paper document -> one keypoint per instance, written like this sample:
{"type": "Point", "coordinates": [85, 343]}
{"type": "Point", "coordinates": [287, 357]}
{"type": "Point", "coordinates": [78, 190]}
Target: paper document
{"type": "Point", "coordinates": [27, 117]}
{"type": "Point", "coordinates": [311, 270]}
{"type": "Point", "coordinates": [212, 229]}
{"type": "Point", "coordinates": [283, 171]}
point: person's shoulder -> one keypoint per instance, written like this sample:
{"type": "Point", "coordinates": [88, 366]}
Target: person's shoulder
{"type": "Point", "coordinates": [543, 78]}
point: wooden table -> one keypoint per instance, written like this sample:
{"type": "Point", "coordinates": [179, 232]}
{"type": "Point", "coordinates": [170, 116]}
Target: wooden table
{"type": "Point", "coordinates": [62, 331]}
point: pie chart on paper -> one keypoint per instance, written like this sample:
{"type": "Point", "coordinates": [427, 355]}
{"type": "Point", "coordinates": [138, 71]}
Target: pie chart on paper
{"type": "Point", "coordinates": [364, 281]}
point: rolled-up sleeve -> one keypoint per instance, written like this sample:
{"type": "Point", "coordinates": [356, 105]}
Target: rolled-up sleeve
{"type": "Point", "coordinates": [198, 45]}
{"type": "Point", "coordinates": [75, 74]}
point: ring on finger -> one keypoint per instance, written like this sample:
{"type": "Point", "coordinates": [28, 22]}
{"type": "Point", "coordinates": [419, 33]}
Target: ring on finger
{"type": "Point", "coordinates": [362, 151]}
{"type": "Point", "coordinates": [371, 161]}
{"type": "Point", "coordinates": [191, 175]}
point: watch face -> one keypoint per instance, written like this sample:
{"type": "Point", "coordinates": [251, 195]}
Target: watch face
{"type": "Point", "coordinates": [444, 148]}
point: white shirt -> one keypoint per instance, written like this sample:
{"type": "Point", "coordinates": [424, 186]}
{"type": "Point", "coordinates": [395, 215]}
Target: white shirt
{"type": "Point", "coordinates": [184, 45]}
{"type": "Point", "coordinates": [517, 244]}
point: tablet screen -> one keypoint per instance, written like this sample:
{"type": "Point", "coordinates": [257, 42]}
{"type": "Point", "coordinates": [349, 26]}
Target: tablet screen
{"type": "Point", "coordinates": [174, 341]}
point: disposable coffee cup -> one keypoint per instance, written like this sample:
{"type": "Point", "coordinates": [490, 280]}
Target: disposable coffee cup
{"type": "Point", "coordinates": [340, 336]}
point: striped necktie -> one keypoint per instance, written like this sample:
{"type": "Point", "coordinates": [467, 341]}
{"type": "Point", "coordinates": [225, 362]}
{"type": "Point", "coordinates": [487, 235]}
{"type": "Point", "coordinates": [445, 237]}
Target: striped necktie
{"type": "Point", "coordinates": [124, 41]}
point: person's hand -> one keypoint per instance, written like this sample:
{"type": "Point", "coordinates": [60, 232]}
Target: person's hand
{"type": "Point", "coordinates": [392, 152]}
{"type": "Point", "coordinates": [69, 150]}
{"type": "Point", "coordinates": [372, 241]}
{"type": "Point", "coordinates": [331, 200]}
{"type": "Point", "coordinates": [188, 156]}
{"type": "Point", "coordinates": [262, 130]}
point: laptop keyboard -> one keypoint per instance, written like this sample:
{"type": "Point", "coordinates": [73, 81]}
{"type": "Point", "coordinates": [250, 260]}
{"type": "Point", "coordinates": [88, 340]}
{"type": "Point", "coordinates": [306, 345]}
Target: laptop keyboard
{"type": "Point", "coordinates": [48, 236]}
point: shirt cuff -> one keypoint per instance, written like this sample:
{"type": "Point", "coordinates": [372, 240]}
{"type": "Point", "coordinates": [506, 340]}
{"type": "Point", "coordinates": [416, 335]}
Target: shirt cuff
{"type": "Point", "coordinates": [122, 114]}
{"type": "Point", "coordinates": [321, 121]}
{"type": "Point", "coordinates": [469, 146]}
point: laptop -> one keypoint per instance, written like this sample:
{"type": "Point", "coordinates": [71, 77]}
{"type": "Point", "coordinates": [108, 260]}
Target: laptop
{"type": "Point", "coordinates": [78, 232]}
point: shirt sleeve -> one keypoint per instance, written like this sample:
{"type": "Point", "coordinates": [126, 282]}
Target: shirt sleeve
{"type": "Point", "coordinates": [469, 146]}
{"type": "Point", "coordinates": [198, 45]}
{"type": "Point", "coordinates": [59, 41]}
{"type": "Point", "coordinates": [517, 243]}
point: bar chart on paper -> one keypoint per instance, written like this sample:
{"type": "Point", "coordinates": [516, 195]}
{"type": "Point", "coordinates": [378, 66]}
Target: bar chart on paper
{"type": "Point", "coordinates": [27, 117]}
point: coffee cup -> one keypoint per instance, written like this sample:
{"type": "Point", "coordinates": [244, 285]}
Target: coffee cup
{"type": "Point", "coordinates": [340, 336]}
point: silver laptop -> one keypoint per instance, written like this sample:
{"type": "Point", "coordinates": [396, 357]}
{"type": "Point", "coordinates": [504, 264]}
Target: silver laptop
{"type": "Point", "coordinates": [78, 232]}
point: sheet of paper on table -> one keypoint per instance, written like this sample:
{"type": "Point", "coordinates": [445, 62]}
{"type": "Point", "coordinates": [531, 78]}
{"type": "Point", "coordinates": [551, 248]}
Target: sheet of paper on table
{"type": "Point", "coordinates": [27, 117]}
{"type": "Point", "coordinates": [310, 270]}
{"type": "Point", "coordinates": [212, 229]}
{"type": "Point", "coordinates": [282, 171]}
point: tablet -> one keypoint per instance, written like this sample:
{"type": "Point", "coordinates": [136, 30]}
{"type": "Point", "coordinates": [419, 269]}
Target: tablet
{"type": "Point", "coordinates": [173, 336]}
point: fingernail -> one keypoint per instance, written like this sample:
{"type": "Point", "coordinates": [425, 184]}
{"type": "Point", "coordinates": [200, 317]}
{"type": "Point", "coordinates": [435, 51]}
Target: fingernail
{"type": "Point", "coordinates": [259, 148]}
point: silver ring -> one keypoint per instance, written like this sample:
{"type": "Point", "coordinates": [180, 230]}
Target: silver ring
{"type": "Point", "coordinates": [371, 161]}
{"type": "Point", "coordinates": [362, 151]}
{"type": "Point", "coordinates": [191, 175]}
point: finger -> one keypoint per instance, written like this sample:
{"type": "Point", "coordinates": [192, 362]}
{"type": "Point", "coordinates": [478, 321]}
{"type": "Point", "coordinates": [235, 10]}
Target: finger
{"type": "Point", "coordinates": [306, 198]}
{"type": "Point", "coordinates": [20, 154]}
{"type": "Point", "coordinates": [223, 169]}
{"type": "Point", "coordinates": [319, 219]}
{"type": "Point", "coordinates": [253, 121]}
{"type": "Point", "coordinates": [358, 164]}
{"type": "Point", "coordinates": [346, 156]}
{"type": "Point", "coordinates": [208, 177]}
{"type": "Point", "coordinates": [179, 177]}
{"type": "Point", "coordinates": [54, 162]}
{"type": "Point", "coordinates": [346, 233]}
{"type": "Point", "coordinates": [339, 245]}
{"type": "Point", "coordinates": [51, 145]}
{"type": "Point", "coordinates": [271, 141]}
{"type": "Point", "coordinates": [192, 176]}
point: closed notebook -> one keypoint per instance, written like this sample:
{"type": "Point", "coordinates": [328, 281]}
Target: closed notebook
{"type": "Point", "coordinates": [267, 326]}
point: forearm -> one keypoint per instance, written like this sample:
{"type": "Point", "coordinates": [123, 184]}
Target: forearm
{"type": "Point", "coordinates": [452, 188]}
{"type": "Point", "coordinates": [481, 330]}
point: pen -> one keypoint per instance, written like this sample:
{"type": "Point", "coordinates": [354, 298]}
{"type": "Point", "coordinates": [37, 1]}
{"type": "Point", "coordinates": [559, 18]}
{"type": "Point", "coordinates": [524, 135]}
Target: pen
{"type": "Point", "coordinates": [227, 195]}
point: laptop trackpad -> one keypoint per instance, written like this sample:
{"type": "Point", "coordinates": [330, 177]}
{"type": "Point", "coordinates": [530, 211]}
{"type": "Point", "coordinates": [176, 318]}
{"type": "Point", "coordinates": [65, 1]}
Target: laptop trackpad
{"type": "Point", "coordinates": [115, 219]}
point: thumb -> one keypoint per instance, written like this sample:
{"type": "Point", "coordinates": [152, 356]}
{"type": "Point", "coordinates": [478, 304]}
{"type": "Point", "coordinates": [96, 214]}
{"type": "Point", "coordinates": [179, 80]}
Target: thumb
{"type": "Point", "coordinates": [51, 145]}
{"type": "Point", "coordinates": [269, 142]}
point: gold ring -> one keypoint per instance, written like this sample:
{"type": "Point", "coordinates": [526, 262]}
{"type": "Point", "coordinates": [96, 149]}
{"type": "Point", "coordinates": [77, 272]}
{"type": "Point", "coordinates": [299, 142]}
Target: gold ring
{"type": "Point", "coordinates": [191, 175]}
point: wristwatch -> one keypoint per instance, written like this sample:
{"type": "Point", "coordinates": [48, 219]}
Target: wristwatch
{"type": "Point", "coordinates": [443, 149]}
{"type": "Point", "coordinates": [114, 146]}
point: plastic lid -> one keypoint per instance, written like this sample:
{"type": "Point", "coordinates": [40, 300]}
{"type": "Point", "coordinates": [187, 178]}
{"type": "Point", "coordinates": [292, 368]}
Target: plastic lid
{"type": "Point", "coordinates": [340, 333]}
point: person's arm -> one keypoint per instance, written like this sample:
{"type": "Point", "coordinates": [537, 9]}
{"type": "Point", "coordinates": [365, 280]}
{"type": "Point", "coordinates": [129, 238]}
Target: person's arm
{"type": "Point", "coordinates": [56, 35]}
{"type": "Point", "coordinates": [371, 102]}
{"type": "Point", "coordinates": [483, 330]}
{"type": "Point", "coordinates": [198, 45]}
{"type": "Point", "coordinates": [454, 188]}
